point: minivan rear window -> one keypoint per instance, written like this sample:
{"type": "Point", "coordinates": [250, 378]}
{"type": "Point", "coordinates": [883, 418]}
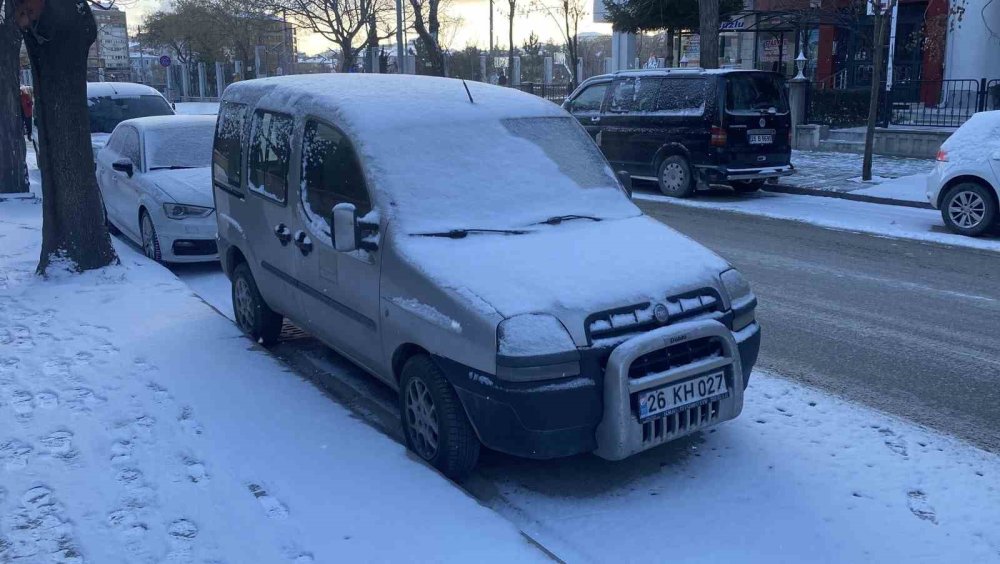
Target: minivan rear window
{"type": "Point", "coordinates": [746, 92]}
{"type": "Point", "coordinates": [106, 112]}
{"type": "Point", "coordinates": [227, 156]}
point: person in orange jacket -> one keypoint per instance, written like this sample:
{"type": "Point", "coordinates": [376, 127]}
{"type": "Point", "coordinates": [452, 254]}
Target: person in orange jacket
{"type": "Point", "coordinates": [27, 109]}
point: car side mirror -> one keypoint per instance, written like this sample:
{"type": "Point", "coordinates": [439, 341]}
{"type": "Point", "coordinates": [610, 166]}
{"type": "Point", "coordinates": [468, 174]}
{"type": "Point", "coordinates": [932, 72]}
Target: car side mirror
{"type": "Point", "coordinates": [626, 179]}
{"type": "Point", "coordinates": [568, 105]}
{"type": "Point", "coordinates": [124, 165]}
{"type": "Point", "coordinates": [345, 227]}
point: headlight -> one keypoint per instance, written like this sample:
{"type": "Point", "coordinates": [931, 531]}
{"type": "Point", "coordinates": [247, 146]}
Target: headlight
{"type": "Point", "coordinates": [535, 346]}
{"type": "Point", "coordinates": [181, 211]}
{"type": "Point", "coordinates": [741, 298]}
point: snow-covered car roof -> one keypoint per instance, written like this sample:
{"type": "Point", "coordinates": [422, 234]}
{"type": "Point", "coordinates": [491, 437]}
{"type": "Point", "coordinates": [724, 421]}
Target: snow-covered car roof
{"type": "Point", "coordinates": [384, 101]}
{"type": "Point", "coordinates": [977, 139]}
{"type": "Point", "coordinates": [153, 123]}
{"type": "Point", "coordinates": [95, 89]}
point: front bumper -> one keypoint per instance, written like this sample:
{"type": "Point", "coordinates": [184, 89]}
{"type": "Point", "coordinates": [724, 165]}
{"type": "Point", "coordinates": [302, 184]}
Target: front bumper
{"type": "Point", "coordinates": [713, 173]}
{"type": "Point", "coordinates": [593, 412]}
{"type": "Point", "coordinates": [186, 240]}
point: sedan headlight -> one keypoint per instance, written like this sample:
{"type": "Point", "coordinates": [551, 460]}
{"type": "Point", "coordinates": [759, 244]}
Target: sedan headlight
{"type": "Point", "coordinates": [535, 346]}
{"type": "Point", "coordinates": [741, 298]}
{"type": "Point", "coordinates": [182, 211]}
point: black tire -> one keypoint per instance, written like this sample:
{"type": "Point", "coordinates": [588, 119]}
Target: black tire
{"type": "Point", "coordinates": [969, 209]}
{"type": "Point", "coordinates": [149, 241]}
{"type": "Point", "coordinates": [747, 186]}
{"type": "Point", "coordinates": [252, 314]}
{"type": "Point", "coordinates": [457, 446]}
{"type": "Point", "coordinates": [674, 177]}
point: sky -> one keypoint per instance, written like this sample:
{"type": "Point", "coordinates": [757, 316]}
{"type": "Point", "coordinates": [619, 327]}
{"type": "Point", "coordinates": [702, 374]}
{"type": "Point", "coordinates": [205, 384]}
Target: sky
{"type": "Point", "coordinates": [472, 29]}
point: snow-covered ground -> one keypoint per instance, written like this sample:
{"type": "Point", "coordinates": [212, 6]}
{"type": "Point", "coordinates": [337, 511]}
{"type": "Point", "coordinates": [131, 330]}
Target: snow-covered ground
{"type": "Point", "coordinates": [864, 217]}
{"type": "Point", "coordinates": [841, 172]}
{"type": "Point", "coordinates": [912, 188]}
{"type": "Point", "coordinates": [138, 425]}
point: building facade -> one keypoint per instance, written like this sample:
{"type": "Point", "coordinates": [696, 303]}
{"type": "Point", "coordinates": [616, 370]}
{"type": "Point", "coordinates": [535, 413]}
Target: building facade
{"type": "Point", "coordinates": [109, 54]}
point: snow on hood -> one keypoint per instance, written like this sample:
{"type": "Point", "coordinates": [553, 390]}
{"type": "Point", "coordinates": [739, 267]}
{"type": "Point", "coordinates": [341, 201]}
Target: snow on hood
{"type": "Point", "coordinates": [185, 186]}
{"type": "Point", "coordinates": [977, 140]}
{"type": "Point", "coordinates": [569, 270]}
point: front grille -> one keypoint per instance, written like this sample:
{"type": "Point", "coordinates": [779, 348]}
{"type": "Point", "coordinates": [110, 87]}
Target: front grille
{"type": "Point", "coordinates": [663, 428]}
{"type": "Point", "coordinates": [619, 323]}
{"type": "Point", "coordinates": [195, 247]}
{"type": "Point", "coordinates": [673, 356]}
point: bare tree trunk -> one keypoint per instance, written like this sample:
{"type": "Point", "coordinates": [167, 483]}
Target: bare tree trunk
{"type": "Point", "coordinates": [510, 38]}
{"type": "Point", "coordinates": [72, 213]}
{"type": "Point", "coordinates": [669, 54]}
{"type": "Point", "coordinates": [428, 33]}
{"type": "Point", "coordinates": [12, 149]}
{"type": "Point", "coordinates": [708, 20]}
{"type": "Point", "coordinates": [878, 54]}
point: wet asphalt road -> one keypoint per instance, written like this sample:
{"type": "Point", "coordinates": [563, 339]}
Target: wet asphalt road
{"type": "Point", "coordinates": [909, 328]}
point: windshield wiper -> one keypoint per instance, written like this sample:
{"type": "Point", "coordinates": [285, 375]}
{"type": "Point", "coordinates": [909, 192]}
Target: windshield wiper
{"type": "Point", "coordinates": [561, 218]}
{"type": "Point", "coordinates": [171, 167]}
{"type": "Point", "coordinates": [463, 233]}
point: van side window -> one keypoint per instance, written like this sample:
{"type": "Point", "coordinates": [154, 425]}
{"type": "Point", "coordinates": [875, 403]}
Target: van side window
{"type": "Point", "coordinates": [623, 95]}
{"type": "Point", "coordinates": [227, 155]}
{"type": "Point", "coordinates": [270, 147]}
{"type": "Point", "coordinates": [646, 92]}
{"type": "Point", "coordinates": [590, 99]}
{"type": "Point", "coordinates": [682, 95]}
{"type": "Point", "coordinates": [331, 174]}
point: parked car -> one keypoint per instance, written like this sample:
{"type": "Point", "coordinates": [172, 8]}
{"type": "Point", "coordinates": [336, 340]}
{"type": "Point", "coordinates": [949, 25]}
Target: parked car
{"type": "Point", "coordinates": [473, 250]}
{"type": "Point", "coordinates": [156, 185]}
{"type": "Point", "coordinates": [965, 184]}
{"type": "Point", "coordinates": [689, 127]}
{"type": "Point", "coordinates": [110, 103]}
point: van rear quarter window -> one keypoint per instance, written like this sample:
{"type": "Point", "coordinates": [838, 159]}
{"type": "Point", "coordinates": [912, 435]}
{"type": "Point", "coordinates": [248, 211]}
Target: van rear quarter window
{"type": "Point", "coordinates": [747, 92]}
{"type": "Point", "coordinates": [227, 156]}
{"type": "Point", "coordinates": [682, 95]}
{"type": "Point", "coordinates": [270, 148]}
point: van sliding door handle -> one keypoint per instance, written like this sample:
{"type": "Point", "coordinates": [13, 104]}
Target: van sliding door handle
{"type": "Point", "coordinates": [595, 120]}
{"type": "Point", "coordinates": [303, 242]}
{"type": "Point", "coordinates": [283, 234]}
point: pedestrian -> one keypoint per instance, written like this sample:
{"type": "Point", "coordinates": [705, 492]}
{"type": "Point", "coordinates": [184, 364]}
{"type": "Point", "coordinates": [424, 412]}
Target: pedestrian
{"type": "Point", "coordinates": [502, 79]}
{"type": "Point", "coordinates": [27, 110]}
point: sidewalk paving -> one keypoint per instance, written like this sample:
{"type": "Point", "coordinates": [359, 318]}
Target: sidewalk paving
{"type": "Point", "coordinates": [137, 424]}
{"type": "Point", "coordinates": [841, 172]}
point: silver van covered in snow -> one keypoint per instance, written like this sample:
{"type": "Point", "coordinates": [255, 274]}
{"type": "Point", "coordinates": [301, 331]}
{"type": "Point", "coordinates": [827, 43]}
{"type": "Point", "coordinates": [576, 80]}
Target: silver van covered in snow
{"type": "Point", "coordinates": [470, 246]}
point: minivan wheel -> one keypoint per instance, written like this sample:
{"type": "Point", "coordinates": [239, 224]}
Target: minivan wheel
{"type": "Point", "coordinates": [675, 177]}
{"type": "Point", "coordinates": [969, 209]}
{"type": "Point", "coordinates": [434, 421]}
{"type": "Point", "coordinates": [747, 186]}
{"type": "Point", "coordinates": [150, 243]}
{"type": "Point", "coordinates": [253, 316]}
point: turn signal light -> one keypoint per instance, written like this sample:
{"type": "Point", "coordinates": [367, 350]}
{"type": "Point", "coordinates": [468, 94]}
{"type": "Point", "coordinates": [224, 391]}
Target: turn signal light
{"type": "Point", "coordinates": [719, 136]}
{"type": "Point", "coordinates": [942, 155]}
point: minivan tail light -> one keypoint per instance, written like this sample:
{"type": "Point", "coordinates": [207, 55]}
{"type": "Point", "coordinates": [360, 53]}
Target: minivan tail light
{"type": "Point", "coordinates": [719, 136]}
{"type": "Point", "coordinates": [942, 156]}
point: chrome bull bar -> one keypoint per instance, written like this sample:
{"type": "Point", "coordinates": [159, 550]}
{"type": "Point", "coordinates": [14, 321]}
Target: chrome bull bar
{"type": "Point", "coordinates": [620, 434]}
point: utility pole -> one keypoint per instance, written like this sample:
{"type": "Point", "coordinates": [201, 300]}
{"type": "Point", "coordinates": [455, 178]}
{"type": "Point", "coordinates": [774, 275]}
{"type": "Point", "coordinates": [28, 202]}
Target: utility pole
{"type": "Point", "coordinates": [490, 61]}
{"type": "Point", "coordinates": [399, 37]}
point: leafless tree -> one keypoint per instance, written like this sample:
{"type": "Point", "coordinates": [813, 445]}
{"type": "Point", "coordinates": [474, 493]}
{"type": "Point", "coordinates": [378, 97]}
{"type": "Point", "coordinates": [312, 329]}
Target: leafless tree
{"type": "Point", "coordinates": [708, 19]}
{"type": "Point", "coordinates": [427, 23]}
{"type": "Point", "coordinates": [567, 14]}
{"type": "Point", "coordinates": [12, 148]}
{"type": "Point", "coordinates": [882, 13]}
{"type": "Point", "coordinates": [350, 24]}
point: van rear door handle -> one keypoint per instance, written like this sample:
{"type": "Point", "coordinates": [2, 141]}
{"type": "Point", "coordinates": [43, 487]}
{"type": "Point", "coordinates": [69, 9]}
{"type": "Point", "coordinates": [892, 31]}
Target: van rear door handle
{"type": "Point", "coordinates": [283, 234]}
{"type": "Point", "coordinates": [595, 120]}
{"type": "Point", "coordinates": [303, 242]}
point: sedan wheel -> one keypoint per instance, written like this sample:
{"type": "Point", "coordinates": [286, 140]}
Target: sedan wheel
{"type": "Point", "coordinates": [150, 243]}
{"type": "Point", "coordinates": [969, 209]}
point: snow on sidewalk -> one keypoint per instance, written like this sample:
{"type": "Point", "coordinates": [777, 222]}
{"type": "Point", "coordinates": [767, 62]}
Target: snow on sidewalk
{"type": "Point", "coordinates": [138, 425]}
{"type": "Point", "coordinates": [800, 476]}
{"type": "Point", "coordinates": [911, 188]}
{"type": "Point", "coordinates": [863, 217]}
{"type": "Point", "coordinates": [841, 172]}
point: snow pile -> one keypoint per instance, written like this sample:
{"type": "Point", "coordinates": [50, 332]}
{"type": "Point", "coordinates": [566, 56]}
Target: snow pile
{"type": "Point", "coordinates": [138, 425]}
{"type": "Point", "coordinates": [911, 188]}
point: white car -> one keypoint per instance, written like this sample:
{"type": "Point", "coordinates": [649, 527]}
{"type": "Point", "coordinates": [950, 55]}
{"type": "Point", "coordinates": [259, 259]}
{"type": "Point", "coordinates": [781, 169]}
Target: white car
{"type": "Point", "coordinates": [156, 183]}
{"type": "Point", "coordinates": [110, 103]}
{"type": "Point", "coordinates": [965, 184]}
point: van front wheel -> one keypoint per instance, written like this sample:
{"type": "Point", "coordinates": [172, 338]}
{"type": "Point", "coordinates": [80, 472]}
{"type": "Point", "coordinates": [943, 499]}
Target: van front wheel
{"type": "Point", "coordinates": [434, 422]}
{"type": "Point", "coordinates": [675, 177]}
{"type": "Point", "coordinates": [253, 316]}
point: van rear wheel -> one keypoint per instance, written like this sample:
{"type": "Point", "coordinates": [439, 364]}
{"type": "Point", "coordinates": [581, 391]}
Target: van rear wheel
{"type": "Point", "coordinates": [675, 177]}
{"type": "Point", "coordinates": [434, 421]}
{"type": "Point", "coordinates": [253, 316]}
{"type": "Point", "coordinates": [747, 186]}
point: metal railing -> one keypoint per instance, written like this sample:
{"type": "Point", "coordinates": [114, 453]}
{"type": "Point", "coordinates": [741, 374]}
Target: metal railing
{"type": "Point", "coordinates": [934, 103]}
{"type": "Point", "coordinates": [556, 93]}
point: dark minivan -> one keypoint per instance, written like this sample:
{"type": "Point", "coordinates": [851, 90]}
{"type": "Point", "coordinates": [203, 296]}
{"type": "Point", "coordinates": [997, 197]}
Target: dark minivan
{"type": "Point", "coordinates": [689, 126]}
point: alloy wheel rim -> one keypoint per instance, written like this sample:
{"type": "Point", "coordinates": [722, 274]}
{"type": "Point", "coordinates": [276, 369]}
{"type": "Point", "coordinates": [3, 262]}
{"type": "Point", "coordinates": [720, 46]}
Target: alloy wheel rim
{"type": "Point", "coordinates": [673, 176]}
{"type": "Point", "coordinates": [421, 418]}
{"type": "Point", "coordinates": [244, 305]}
{"type": "Point", "coordinates": [148, 241]}
{"type": "Point", "coordinates": [967, 209]}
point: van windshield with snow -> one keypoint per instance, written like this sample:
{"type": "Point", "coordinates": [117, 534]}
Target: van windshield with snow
{"type": "Point", "coordinates": [497, 174]}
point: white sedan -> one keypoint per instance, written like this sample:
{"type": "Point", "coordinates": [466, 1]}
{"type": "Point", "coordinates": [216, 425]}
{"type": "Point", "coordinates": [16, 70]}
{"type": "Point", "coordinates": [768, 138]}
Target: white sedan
{"type": "Point", "coordinates": [156, 183]}
{"type": "Point", "coordinates": [965, 184]}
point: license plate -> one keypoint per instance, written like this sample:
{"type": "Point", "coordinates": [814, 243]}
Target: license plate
{"type": "Point", "coordinates": [761, 139]}
{"type": "Point", "coordinates": [672, 398]}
